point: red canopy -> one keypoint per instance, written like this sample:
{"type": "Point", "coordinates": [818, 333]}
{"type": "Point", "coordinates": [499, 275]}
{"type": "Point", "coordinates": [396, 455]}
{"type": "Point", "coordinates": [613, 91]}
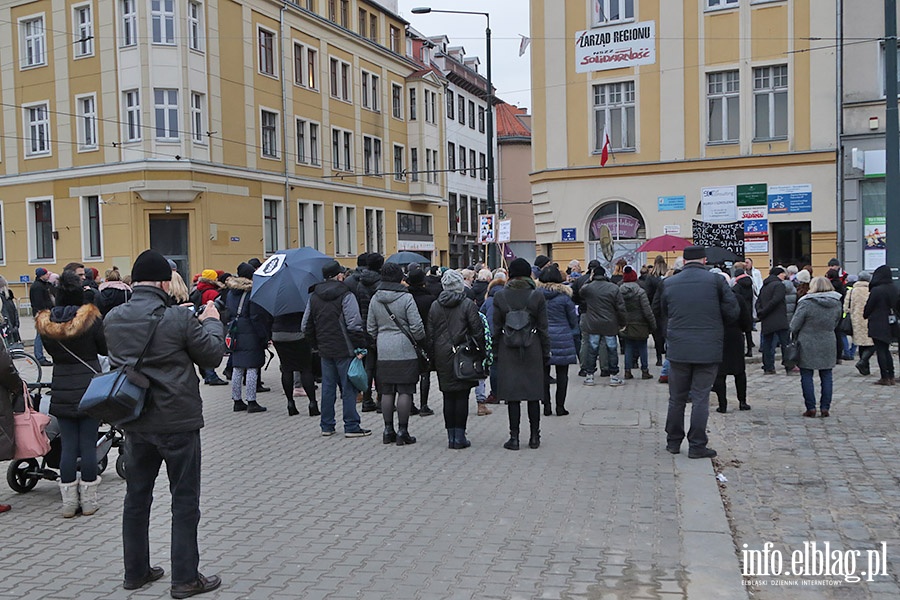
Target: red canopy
{"type": "Point", "coordinates": [664, 243]}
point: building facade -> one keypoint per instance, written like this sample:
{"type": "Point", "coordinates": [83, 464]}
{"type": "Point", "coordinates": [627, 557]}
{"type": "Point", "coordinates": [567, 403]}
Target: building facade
{"type": "Point", "coordinates": [213, 131]}
{"type": "Point", "coordinates": [716, 111]}
{"type": "Point", "coordinates": [514, 166]}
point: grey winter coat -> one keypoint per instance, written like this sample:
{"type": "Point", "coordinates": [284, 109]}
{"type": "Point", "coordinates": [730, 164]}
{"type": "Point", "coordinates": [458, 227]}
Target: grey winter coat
{"type": "Point", "coordinates": [397, 358]}
{"type": "Point", "coordinates": [520, 371]}
{"type": "Point", "coordinates": [790, 298]}
{"type": "Point", "coordinates": [639, 319]}
{"type": "Point", "coordinates": [174, 404]}
{"type": "Point", "coordinates": [813, 326]}
{"type": "Point", "coordinates": [605, 313]}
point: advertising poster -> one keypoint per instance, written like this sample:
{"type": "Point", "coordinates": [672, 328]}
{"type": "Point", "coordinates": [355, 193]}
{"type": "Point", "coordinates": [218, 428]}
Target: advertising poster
{"type": "Point", "coordinates": [790, 198]}
{"type": "Point", "coordinates": [719, 204]}
{"type": "Point", "coordinates": [616, 47]}
{"type": "Point", "coordinates": [487, 233]}
{"type": "Point", "coordinates": [874, 229]}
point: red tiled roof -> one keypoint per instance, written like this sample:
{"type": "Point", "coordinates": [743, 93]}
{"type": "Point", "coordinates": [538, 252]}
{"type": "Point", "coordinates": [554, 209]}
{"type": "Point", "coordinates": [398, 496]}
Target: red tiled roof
{"type": "Point", "coordinates": [508, 122]}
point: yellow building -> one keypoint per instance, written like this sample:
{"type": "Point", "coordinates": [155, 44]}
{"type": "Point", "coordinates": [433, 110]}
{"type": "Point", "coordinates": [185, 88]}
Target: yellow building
{"type": "Point", "coordinates": [716, 111]}
{"type": "Point", "coordinates": [213, 131]}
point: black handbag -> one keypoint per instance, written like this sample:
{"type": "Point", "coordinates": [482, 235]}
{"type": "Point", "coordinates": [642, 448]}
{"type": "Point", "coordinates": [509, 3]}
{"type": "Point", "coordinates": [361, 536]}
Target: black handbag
{"type": "Point", "coordinates": [790, 354]}
{"type": "Point", "coordinates": [468, 361]}
{"type": "Point", "coordinates": [846, 325]}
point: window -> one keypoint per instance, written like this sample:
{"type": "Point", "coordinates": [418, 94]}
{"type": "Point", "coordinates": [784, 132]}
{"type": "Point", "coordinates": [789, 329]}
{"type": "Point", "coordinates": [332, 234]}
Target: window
{"type": "Point", "coordinates": [197, 127]}
{"type": "Point", "coordinates": [371, 155]}
{"type": "Point", "coordinates": [344, 230]}
{"type": "Point", "coordinates": [332, 11]}
{"type": "Point", "coordinates": [472, 168]}
{"type": "Point", "coordinates": [307, 142]}
{"type": "Point", "coordinates": [462, 160]}
{"type": "Point", "coordinates": [301, 141]}
{"type": "Point", "coordinates": [269, 130]}
{"type": "Point", "coordinates": [271, 228]}
{"type": "Point", "coordinates": [37, 124]}
{"type": "Point", "coordinates": [345, 81]}
{"type": "Point", "coordinates": [395, 40]}
{"type": "Point", "coordinates": [92, 247]}
{"type": "Point", "coordinates": [132, 115]}
{"type": "Point", "coordinates": [715, 4]}
{"type": "Point", "coordinates": [129, 22]}
{"type": "Point", "coordinates": [613, 11]}
{"type": "Point", "coordinates": [429, 166]}
{"type": "Point", "coordinates": [363, 22]}
{"type": "Point", "coordinates": [195, 31]}
{"type": "Point", "coordinates": [335, 67]}
{"type": "Point", "coordinates": [340, 79]}
{"type": "Point", "coordinates": [165, 104]}
{"type": "Point", "coordinates": [482, 166]}
{"type": "Point", "coordinates": [375, 230]}
{"type": "Point", "coordinates": [311, 231]}
{"type": "Point", "coordinates": [724, 106]}
{"type": "Point", "coordinates": [427, 106]}
{"type": "Point", "coordinates": [433, 107]}
{"type": "Point", "coordinates": [453, 210]}
{"type": "Point", "coordinates": [87, 122]}
{"type": "Point", "coordinates": [298, 64]}
{"type": "Point", "coordinates": [451, 105]}
{"type": "Point", "coordinates": [412, 104]}
{"type": "Point", "coordinates": [312, 68]}
{"type": "Point", "coordinates": [770, 102]}
{"type": "Point", "coordinates": [614, 107]}
{"type": "Point", "coordinates": [84, 31]}
{"type": "Point", "coordinates": [481, 112]}
{"type": "Point", "coordinates": [34, 44]}
{"type": "Point", "coordinates": [373, 27]}
{"type": "Point", "coordinates": [345, 13]}
{"type": "Point", "coordinates": [461, 113]}
{"type": "Point", "coordinates": [314, 143]}
{"type": "Point", "coordinates": [462, 213]}
{"type": "Point", "coordinates": [396, 102]}
{"type": "Point", "coordinates": [41, 221]}
{"type": "Point", "coordinates": [412, 226]}
{"type": "Point", "coordinates": [341, 149]}
{"type": "Point", "coordinates": [399, 170]}
{"type": "Point", "coordinates": [266, 52]}
{"type": "Point", "coordinates": [451, 156]}
{"type": "Point", "coordinates": [471, 115]}
{"type": "Point", "coordinates": [414, 163]}
{"type": "Point", "coordinates": [162, 15]}
{"type": "Point", "coordinates": [370, 91]}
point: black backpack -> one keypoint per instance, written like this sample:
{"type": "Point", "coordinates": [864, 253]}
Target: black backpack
{"type": "Point", "coordinates": [518, 329]}
{"type": "Point", "coordinates": [196, 298]}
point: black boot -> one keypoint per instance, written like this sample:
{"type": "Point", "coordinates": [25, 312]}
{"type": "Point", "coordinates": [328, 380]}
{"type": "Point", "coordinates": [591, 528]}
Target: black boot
{"type": "Point", "coordinates": [389, 436]}
{"type": "Point", "coordinates": [403, 437]}
{"type": "Point", "coordinates": [743, 405]}
{"type": "Point", "coordinates": [535, 440]}
{"type": "Point", "coordinates": [513, 442]}
{"type": "Point", "coordinates": [461, 441]}
{"type": "Point", "coordinates": [314, 408]}
{"type": "Point", "coordinates": [451, 438]}
{"type": "Point", "coordinates": [292, 408]}
{"type": "Point", "coordinates": [239, 406]}
{"type": "Point", "coordinates": [368, 405]}
{"type": "Point", "coordinates": [548, 410]}
{"type": "Point", "coordinates": [561, 409]}
{"type": "Point", "coordinates": [414, 410]}
{"type": "Point", "coordinates": [723, 407]}
{"type": "Point", "coordinates": [425, 411]}
{"type": "Point", "coordinates": [254, 407]}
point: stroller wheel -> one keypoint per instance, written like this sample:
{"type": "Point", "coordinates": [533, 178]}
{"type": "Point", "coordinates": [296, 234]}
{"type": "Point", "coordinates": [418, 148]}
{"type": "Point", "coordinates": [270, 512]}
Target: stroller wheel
{"type": "Point", "coordinates": [101, 465]}
{"type": "Point", "coordinates": [22, 475]}
{"type": "Point", "coordinates": [120, 466]}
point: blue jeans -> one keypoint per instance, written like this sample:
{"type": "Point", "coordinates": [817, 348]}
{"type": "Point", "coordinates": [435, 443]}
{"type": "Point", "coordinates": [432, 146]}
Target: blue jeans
{"type": "Point", "coordinates": [144, 454]}
{"type": "Point", "coordinates": [79, 440]}
{"type": "Point", "coordinates": [665, 368]}
{"type": "Point", "coordinates": [639, 347]}
{"type": "Point", "coordinates": [334, 372]}
{"type": "Point", "coordinates": [809, 391]}
{"type": "Point", "coordinates": [611, 344]}
{"type": "Point", "coordinates": [767, 347]}
{"type": "Point", "coordinates": [38, 348]}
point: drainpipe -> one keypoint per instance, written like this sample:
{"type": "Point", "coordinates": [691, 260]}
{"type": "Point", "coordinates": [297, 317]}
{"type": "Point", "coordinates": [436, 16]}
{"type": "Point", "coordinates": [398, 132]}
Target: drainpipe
{"type": "Point", "coordinates": [839, 127]}
{"type": "Point", "coordinates": [284, 118]}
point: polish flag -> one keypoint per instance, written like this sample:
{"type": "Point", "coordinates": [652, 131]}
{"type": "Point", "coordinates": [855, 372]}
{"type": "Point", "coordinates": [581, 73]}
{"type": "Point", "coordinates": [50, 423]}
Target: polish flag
{"type": "Point", "coordinates": [604, 152]}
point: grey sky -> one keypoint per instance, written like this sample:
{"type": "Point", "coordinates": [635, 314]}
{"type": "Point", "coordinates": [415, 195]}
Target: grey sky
{"type": "Point", "coordinates": [509, 18]}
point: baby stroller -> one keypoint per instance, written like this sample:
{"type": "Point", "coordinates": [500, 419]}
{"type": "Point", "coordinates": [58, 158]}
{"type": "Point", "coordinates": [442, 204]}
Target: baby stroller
{"type": "Point", "coordinates": [24, 473]}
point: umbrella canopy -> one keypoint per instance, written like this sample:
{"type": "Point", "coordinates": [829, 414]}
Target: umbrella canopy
{"type": "Point", "coordinates": [664, 243]}
{"type": "Point", "coordinates": [404, 258]}
{"type": "Point", "coordinates": [281, 284]}
{"type": "Point", "coordinates": [717, 256]}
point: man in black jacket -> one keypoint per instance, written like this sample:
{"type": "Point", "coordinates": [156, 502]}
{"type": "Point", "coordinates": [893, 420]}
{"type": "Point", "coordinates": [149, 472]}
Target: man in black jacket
{"type": "Point", "coordinates": [771, 309]}
{"type": "Point", "coordinates": [333, 325]}
{"type": "Point", "coordinates": [696, 305]}
{"type": "Point", "coordinates": [169, 426]}
{"type": "Point", "coordinates": [600, 324]}
{"type": "Point", "coordinates": [41, 297]}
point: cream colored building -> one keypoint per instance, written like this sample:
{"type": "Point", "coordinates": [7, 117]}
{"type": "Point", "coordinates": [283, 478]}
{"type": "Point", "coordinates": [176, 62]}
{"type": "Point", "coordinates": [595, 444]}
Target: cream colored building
{"type": "Point", "coordinates": [213, 131]}
{"type": "Point", "coordinates": [701, 98]}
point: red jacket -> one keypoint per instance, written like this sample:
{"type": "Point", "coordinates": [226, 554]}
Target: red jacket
{"type": "Point", "coordinates": [209, 290]}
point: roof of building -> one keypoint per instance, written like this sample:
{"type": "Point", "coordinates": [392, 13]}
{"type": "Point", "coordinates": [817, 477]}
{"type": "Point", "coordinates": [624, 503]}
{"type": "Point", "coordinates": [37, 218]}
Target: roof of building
{"type": "Point", "coordinates": [508, 122]}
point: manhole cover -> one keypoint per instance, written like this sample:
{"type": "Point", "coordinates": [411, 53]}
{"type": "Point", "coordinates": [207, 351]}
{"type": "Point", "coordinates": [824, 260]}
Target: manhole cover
{"type": "Point", "coordinates": [615, 418]}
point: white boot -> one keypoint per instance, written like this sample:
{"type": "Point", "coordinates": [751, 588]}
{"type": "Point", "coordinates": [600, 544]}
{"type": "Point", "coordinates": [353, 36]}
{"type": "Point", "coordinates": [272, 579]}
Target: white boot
{"type": "Point", "coordinates": [69, 493]}
{"type": "Point", "coordinates": [89, 496]}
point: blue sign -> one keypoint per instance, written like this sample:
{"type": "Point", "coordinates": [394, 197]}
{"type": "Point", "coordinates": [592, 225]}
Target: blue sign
{"type": "Point", "coordinates": [235, 239]}
{"type": "Point", "coordinates": [569, 234]}
{"type": "Point", "coordinates": [24, 279]}
{"type": "Point", "coordinates": [790, 198]}
{"type": "Point", "coordinates": [671, 203]}
{"type": "Point", "coordinates": [756, 226]}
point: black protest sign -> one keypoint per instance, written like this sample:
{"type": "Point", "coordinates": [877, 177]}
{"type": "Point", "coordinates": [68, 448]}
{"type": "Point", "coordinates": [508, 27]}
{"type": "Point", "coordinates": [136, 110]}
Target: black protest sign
{"type": "Point", "coordinates": [724, 235]}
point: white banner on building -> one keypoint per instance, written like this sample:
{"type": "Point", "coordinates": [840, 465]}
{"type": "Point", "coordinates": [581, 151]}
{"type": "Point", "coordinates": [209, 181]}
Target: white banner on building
{"type": "Point", "coordinates": [719, 204]}
{"type": "Point", "coordinates": [605, 48]}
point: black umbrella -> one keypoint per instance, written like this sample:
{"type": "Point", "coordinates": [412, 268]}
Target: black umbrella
{"type": "Point", "coordinates": [281, 284]}
{"type": "Point", "coordinates": [404, 258]}
{"type": "Point", "coordinates": [717, 256]}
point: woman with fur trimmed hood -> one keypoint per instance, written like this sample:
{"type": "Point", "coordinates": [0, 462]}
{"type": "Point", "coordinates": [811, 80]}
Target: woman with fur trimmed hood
{"type": "Point", "coordinates": [563, 327]}
{"type": "Point", "coordinates": [254, 329]}
{"type": "Point", "coordinates": [72, 333]}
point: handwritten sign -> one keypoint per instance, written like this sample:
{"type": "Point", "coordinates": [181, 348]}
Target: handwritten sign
{"type": "Point", "coordinates": [724, 235]}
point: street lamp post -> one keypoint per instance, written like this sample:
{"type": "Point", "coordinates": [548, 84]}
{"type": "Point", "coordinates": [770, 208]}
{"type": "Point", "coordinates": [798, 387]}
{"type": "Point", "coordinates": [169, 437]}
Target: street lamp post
{"type": "Point", "coordinates": [491, 207]}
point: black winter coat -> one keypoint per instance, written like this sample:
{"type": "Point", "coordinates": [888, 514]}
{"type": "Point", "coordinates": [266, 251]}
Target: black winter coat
{"type": "Point", "coordinates": [605, 313]}
{"type": "Point", "coordinates": [80, 329]}
{"type": "Point", "coordinates": [254, 326]}
{"type": "Point", "coordinates": [520, 371]}
{"type": "Point", "coordinates": [771, 306]}
{"type": "Point", "coordinates": [882, 300]}
{"type": "Point", "coordinates": [735, 332]}
{"type": "Point", "coordinates": [10, 391]}
{"type": "Point", "coordinates": [327, 319]}
{"type": "Point", "coordinates": [424, 299]}
{"type": "Point", "coordinates": [743, 287]}
{"type": "Point", "coordinates": [113, 294]}
{"type": "Point", "coordinates": [479, 289]}
{"type": "Point", "coordinates": [10, 312]}
{"type": "Point", "coordinates": [451, 318]}
{"type": "Point", "coordinates": [41, 296]}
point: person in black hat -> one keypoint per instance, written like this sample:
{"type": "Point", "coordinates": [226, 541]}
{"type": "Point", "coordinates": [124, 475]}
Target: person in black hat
{"type": "Point", "coordinates": [168, 429]}
{"type": "Point", "coordinates": [41, 297]}
{"type": "Point", "coordinates": [251, 330]}
{"type": "Point", "coordinates": [424, 299]}
{"type": "Point", "coordinates": [771, 309]}
{"type": "Point", "coordinates": [696, 306]}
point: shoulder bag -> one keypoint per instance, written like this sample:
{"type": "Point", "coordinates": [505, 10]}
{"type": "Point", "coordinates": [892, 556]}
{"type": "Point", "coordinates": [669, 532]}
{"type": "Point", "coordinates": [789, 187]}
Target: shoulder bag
{"type": "Point", "coordinates": [31, 441]}
{"type": "Point", "coordinates": [468, 357]}
{"type": "Point", "coordinates": [231, 334]}
{"type": "Point", "coordinates": [421, 354]}
{"type": "Point", "coordinates": [846, 325]}
{"type": "Point", "coordinates": [118, 397]}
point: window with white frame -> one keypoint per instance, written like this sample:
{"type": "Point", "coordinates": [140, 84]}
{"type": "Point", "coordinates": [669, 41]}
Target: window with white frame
{"type": "Point", "coordinates": [165, 106]}
{"type": "Point", "coordinates": [770, 102]}
{"type": "Point", "coordinates": [299, 64]}
{"type": "Point", "coordinates": [373, 27]}
{"type": "Point", "coordinates": [399, 163]}
{"type": "Point", "coordinates": [33, 49]}
{"type": "Point", "coordinates": [396, 101]}
{"type": "Point", "coordinates": [37, 127]}
{"type": "Point", "coordinates": [195, 26]}
{"type": "Point", "coordinates": [369, 167]}
{"type": "Point", "coordinates": [311, 230]}
{"type": "Point", "coordinates": [614, 109]}
{"type": "Point", "coordinates": [472, 167]}
{"type": "Point", "coordinates": [451, 156]}
{"type": "Point", "coordinates": [341, 149]}
{"type": "Point", "coordinates": [414, 163]}
{"type": "Point", "coordinates": [132, 101]}
{"type": "Point", "coordinates": [314, 143]}
{"type": "Point", "coordinates": [375, 241]}
{"type": "Point", "coordinates": [462, 160]}
{"type": "Point", "coordinates": [266, 41]}
{"type": "Point", "coordinates": [302, 141]}
{"type": "Point", "coordinates": [162, 19]}
{"type": "Point", "coordinates": [91, 228]}
{"type": "Point", "coordinates": [428, 115]}
{"type": "Point", "coordinates": [344, 230]}
{"type": "Point", "coordinates": [271, 226]}
{"type": "Point", "coordinates": [312, 69]}
{"type": "Point", "coordinates": [607, 12]}
{"type": "Point", "coordinates": [345, 81]}
{"type": "Point", "coordinates": [482, 166]}
{"type": "Point", "coordinates": [40, 219]}
{"type": "Point", "coordinates": [411, 226]}
{"type": "Point", "coordinates": [723, 94]}
{"type": "Point", "coordinates": [433, 107]}
{"type": "Point", "coordinates": [87, 122]}
{"type": "Point", "coordinates": [374, 92]}
{"type": "Point", "coordinates": [84, 31]}
{"type": "Point", "coordinates": [716, 4]}
{"type": "Point", "coordinates": [395, 39]}
{"type": "Point", "coordinates": [129, 22]}
{"type": "Point", "coordinates": [413, 107]}
{"type": "Point", "coordinates": [451, 105]}
{"type": "Point", "coordinates": [461, 106]}
{"type": "Point", "coordinates": [268, 122]}
{"type": "Point", "coordinates": [340, 79]}
{"type": "Point", "coordinates": [334, 72]}
{"type": "Point", "coordinates": [471, 115]}
{"type": "Point", "coordinates": [198, 127]}
{"type": "Point", "coordinates": [429, 166]}
{"type": "Point", "coordinates": [481, 119]}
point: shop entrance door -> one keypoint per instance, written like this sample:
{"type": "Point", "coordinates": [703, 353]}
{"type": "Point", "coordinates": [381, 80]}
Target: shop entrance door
{"type": "Point", "coordinates": [169, 237]}
{"type": "Point", "coordinates": [791, 243]}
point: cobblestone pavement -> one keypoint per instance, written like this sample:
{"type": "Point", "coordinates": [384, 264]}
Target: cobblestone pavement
{"type": "Point", "coordinates": [599, 511]}
{"type": "Point", "coordinates": [793, 479]}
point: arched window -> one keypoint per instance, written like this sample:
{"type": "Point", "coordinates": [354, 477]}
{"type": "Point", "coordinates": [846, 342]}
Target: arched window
{"type": "Point", "coordinates": [624, 222]}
